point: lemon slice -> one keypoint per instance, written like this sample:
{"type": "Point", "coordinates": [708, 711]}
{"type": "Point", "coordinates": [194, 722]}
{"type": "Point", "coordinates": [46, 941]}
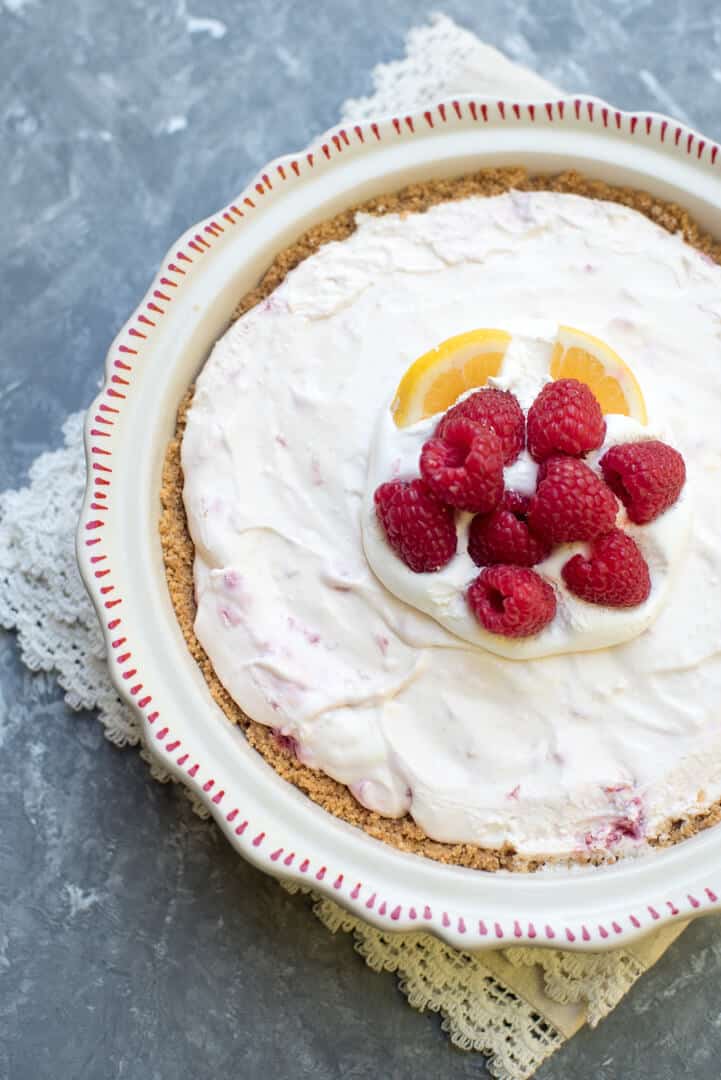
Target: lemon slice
{"type": "Point", "coordinates": [577, 355]}
{"type": "Point", "coordinates": [435, 380]}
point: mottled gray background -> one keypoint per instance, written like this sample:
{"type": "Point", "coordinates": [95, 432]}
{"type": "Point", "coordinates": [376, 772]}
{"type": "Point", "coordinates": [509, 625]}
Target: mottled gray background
{"type": "Point", "coordinates": [133, 942]}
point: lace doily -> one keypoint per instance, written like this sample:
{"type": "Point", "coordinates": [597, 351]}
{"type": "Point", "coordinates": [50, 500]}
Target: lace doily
{"type": "Point", "coordinates": [518, 1006]}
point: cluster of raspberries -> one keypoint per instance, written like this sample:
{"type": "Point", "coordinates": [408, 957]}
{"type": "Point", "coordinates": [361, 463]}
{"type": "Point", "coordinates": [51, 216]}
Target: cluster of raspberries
{"type": "Point", "coordinates": [461, 469]}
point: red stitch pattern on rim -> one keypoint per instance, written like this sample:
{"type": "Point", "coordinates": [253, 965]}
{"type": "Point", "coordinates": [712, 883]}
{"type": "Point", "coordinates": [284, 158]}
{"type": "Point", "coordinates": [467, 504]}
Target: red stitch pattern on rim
{"type": "Point", "coordinates": [199, 244]}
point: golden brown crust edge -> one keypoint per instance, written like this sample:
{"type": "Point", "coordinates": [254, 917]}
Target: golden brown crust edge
{"type": "Point", "coordinates": [178, 552]}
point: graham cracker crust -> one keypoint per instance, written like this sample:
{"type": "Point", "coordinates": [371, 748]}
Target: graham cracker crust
{"type": "Point", "coordinates": [178, 550]}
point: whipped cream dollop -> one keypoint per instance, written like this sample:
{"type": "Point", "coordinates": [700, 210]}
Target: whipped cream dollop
{"type": "Point", "coordinates": [577, 626]}
{"type": "Point", "coordinates": [552, 755]}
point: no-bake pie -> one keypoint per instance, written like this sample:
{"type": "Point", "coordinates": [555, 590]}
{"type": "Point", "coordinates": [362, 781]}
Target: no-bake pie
{"type": "Point", "coordinates": [441, 520]}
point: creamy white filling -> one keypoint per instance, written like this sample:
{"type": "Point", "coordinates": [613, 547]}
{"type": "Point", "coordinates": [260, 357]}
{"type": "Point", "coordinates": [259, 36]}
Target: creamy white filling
{"type": "Point", "coordinates": [577, 626]}
{"type": "Point", "coordinates": [551, 755]}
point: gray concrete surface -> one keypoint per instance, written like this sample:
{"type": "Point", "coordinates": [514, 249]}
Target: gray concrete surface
{"type": "Point", "coordinates": [133, 943]}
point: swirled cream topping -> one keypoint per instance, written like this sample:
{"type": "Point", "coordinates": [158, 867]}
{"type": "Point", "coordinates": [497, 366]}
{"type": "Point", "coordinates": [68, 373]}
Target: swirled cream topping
{"type": "Point", "coordinates": [552, 754]}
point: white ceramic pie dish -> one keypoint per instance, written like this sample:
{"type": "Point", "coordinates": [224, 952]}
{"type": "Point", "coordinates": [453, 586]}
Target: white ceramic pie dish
{"type": "Point", "coordinates": [149, 367]}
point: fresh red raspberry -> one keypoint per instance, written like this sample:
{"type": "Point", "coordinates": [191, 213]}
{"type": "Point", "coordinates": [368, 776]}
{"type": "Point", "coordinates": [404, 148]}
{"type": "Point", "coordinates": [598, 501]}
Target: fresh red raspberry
{"type": "Point", "coordinates": [497, 409]}
{"type": "Point", "coordinates": [546, 466]}
{"type": "Point", "coordinates": [571, 503]}
{"type": "Point", "coordinates": [516, 502]}
{"type": "Point", "coordinates": [418, 527]}
{"type": "Point", "coordinates": [615, 573]}
{"type": "Point", "coordinates": [511, 600]}
{"type": "Point", "coordinates": [464, 468]}
{"type": "Point", "coordinates": [565, 418]}
{"type": "Point", "coordinates": [503, 536]}
{"type": "Point", "coordinates": [646, 476]}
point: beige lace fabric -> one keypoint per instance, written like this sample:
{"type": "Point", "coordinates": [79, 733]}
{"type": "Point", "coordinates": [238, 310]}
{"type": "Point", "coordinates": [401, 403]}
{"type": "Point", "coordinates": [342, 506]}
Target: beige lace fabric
{"type": "Point", "coordinates": [515, 1006]}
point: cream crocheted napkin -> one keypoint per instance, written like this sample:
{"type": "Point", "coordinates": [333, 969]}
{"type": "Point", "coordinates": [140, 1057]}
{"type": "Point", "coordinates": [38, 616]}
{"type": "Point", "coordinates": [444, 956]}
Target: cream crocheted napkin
{"type": "Point", "coordinates": [516, 1006]}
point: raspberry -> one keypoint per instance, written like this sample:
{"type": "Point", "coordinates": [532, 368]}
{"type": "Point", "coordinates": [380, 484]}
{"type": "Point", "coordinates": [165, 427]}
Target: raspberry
{"type": "Point", "coordinates": [565, 418]}
{"type": "Point", "coordinates": [571, 503]}
{"type": "Point", "coordinates": [516, 502]}
{"type": "Point", "coordinates": [511, 600]}
{"type": "Point", "coordinates": [497, 409]}
{"type": "Point", "coordinates": [614, 574]}
{"type": "Point", "coordinates": [546, 466]}
{"type": "Point", "coordinates": [464, 468]}
{"type": "Point", "coordinates": [646, 476]}
{"type": "Point", "coordinates": [504, 536]}
{"type": "Point", "coordinates": [418, 527]}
